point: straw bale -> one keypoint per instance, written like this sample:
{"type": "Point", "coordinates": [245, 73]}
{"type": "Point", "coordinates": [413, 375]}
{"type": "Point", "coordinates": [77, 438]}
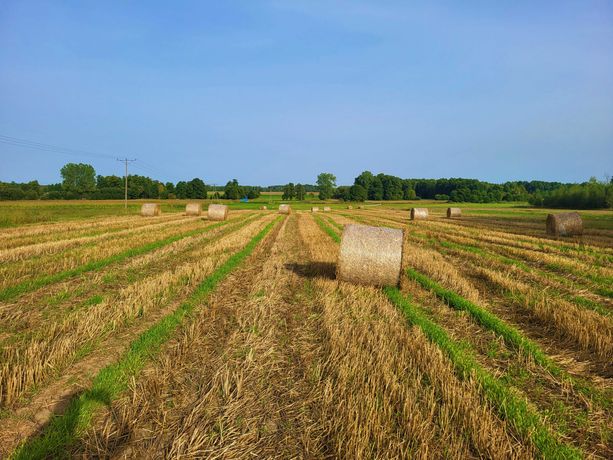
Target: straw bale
{"type": "Point", "coordinates": [218, 212]}
{"type": "Point", "coordinates": [150, 209]}
{"type": "Point", "coordinates": [285, 209]}
{"type": "Point", "coordinates": [193, 209]}
{"type": "Point", "coordinates": [370, 255]}
{"type": "Point", "coordinates": [314, 209]}
{"type": "Point", "coordinates": [327, 209]}
{"type": "Point", "coordinates": [454, 212]}
{"type": "Point", "coordinates": [564, 224]}
{"type": "Point", "coordinates": [419, 213]}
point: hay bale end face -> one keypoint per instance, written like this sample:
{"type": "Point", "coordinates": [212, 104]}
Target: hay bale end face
{"type": "Point", "coordinates": [419, 213]}
{"type": "Point", "coordinates": [314, 209]}
{"type": "Point", "coordinates": [193, 209]}
{"type": "Point", "coordinates": [218, 212]}
{"type": "Point", "coordinates": [370, 255]}
{"type": "Point", "coordinates": [263, 208]}
{"type": "Point", "coordinates": [327, 209]}
{"type": "Point", "coordinates": [285, 209]}
{"type": "Point", "coordinates": [150, 209]}
{"type": "Point", "coordinates": [349, 207]}
{"type": "Point", "coordinates": [454, 212]}
{"type": "Point", "coordinates": [564, 224]}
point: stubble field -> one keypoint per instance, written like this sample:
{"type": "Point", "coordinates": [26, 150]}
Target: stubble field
{"type": "Point", "coordinates": [177, 336]}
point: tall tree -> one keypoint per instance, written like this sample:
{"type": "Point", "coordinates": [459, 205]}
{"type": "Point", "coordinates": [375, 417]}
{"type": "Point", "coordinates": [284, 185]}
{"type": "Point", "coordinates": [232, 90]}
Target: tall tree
{"type": "Point", "coordinates": [78, 177]}
{"type": "Point", "coordinates": [232, 190]}
{"type": "Point", "coordinates": [326, 182]}
{"type": "Point", "coordinates": [289, 192]}
{"type": "Point", "coordinates": [300, 192]}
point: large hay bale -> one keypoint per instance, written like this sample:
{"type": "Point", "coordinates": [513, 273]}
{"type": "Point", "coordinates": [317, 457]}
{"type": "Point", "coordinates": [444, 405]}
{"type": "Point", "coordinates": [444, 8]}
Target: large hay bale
{"type": "Point", "coordinates": [193, 209]}
{"type": "Point", "coordinates": [564, 224]}
{"type": "Point", "coordinates": [263, 208]}
{"type": "Point", "coordinates": [314, 209]}
{"type": "Point", "coordinates": [218, 212]}
{"type": "Point", "coordinates": [349, 207]}
{"type": "Point", "coordinates": [327, 209]}
{"type": "Point", "coordinates": [419, 213]}
{"type": "Point", "coordinates": [370, 255]}
{"type": "Point", "coordinates": [285, 209]}
{"type": "Point", "coordinates": [150, 209]}
{"type": "Point", "coordinates": [454, 212]}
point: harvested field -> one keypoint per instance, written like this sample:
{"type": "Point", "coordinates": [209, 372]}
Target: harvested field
{"type": "Point", "coordinates": [178, 336]}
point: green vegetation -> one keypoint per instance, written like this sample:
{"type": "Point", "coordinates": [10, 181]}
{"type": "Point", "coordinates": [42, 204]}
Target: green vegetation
{"type": "Point", "coordinates": [112, 380]}
{"type": "Point", "coordinates": [510, 405]}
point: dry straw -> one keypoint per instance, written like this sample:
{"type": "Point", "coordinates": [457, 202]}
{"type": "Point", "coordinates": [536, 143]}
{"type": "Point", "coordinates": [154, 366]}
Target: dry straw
{"type": "Point", "coordinates": [327, 209]}
{"type": "Point", "coordinates": [263, 208]}
{"type": "Point", "coordinates": [370, 255]}
{"type": "Point", "coordinates": [349, 207]}
{"type": "Point", "coordinates": [150, 209]}
{"type": "Point", "coordinates": [454, 212]}
{"type": "Point", "coordinates": [419, 213]}
{"type": "Point", "coordinates": [564, 224]}
{"type": "Point", "coordinates": [285, 209]}
{"type": "Point", "coordinates": [193, 209]}
{"type": "Point", "coordinates": [314, 209]}
{"type": "Point", "coordinates": [218, 212]}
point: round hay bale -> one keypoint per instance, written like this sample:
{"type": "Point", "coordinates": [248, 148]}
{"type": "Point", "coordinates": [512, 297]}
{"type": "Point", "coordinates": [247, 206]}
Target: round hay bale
{"type": "Point", "coordinates": [263, 208]}
{"type": "Point", "coordinates": [370, 255]}
{"type": "Point", "coordinates": [314, 209]}
{"type": "Point", "coordinates": [285, 209]}
{"type": "Point", "coordinates": [327, 209]}
{"type": "Point", "coordinates": [454, 212]}
{"type": "Point", "coordinates": [218, 212]}
{"type": "Point", "coordinates": [349, 207]}
{"type": "Point", "coordinates": [564, 224]}
{"type": "Point", "coordinates": [193, 209]}
{"type": "Point", "coordinates": [419, 213]}
{"type": "Point", "coordinates": [360, 207]}
{"type": "Point", "coordinates": [150, 209]}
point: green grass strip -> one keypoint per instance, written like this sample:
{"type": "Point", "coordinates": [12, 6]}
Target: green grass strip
{"type": "Point", "coordinates": [510, 405]}
{"type": "Point", "coordinates": [31, 285]}
{"type": "Point", "coordinates": [326, 228]}
{"type": "Point", "coordinates": [335, 223]}
{"type": "Point", "coordinates": [65, 429]}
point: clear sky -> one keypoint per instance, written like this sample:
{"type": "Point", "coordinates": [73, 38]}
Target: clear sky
{"type": "Point", "coordinates": [275, 91]}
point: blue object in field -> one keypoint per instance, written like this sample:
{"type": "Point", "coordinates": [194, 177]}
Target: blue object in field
{"type": "Point", "coordinates": [245, 200]}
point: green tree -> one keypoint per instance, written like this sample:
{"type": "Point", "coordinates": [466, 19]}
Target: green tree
{"type": "Point", "coordinates": [78, 177]}
{"type": "Point", "coordinates": [197, 188]}
{"type": "Point", "coordinates": [289, 192]}
{"type": "Point", "coordinates": [300, 192]}
{"type": "Point", "coordinates": [358, 193]}
{"type": "Point", "coordinates": [232, 190]}
{"type": "Point", "coordinates": [326, 182]}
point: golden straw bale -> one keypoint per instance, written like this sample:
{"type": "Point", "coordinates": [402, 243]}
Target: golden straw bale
{"type": "Point", "coordinates": [349, 207]}
{"type": "Point", "coordinates": [193, 209]}
{"type": "Point", "coordinates": [218, 212]}
{"type": "Point", "coordinates": [327, 209]}
{"type": "Point", "coordinates": [564, 224]}
{"type": "Point", "coordinates": [150, 209]}
{"type": "Point", "coordinates": [285, 209]}
{"type": "Point", "coordinates": [419, 213]}
{"type": "Point", "coordinates": [370, 255]}
{"type": "Point", "coordinates": [454, 212]}
{"type": "Point", "coordinates": [314, 209]}
{"type": "Point", "coordinates": [263, 208]}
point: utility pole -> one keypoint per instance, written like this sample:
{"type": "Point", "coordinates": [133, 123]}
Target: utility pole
{"type": "Point", "coordinates": [125, 161]}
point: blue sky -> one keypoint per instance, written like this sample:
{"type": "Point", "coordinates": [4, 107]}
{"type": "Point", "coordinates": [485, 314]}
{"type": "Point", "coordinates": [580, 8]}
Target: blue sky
{"type": "Point", "coordinates": [275, 91]}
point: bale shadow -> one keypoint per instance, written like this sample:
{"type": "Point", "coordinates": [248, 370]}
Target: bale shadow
{"type": "Point", "coordinates": [314, 269]}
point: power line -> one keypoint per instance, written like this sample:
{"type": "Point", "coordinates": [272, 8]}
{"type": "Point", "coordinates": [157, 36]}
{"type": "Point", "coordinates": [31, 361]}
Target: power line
{"type": "Point", "coordinates": [126, 160]}
{"type": "Point", "coordinates": [18, 142]}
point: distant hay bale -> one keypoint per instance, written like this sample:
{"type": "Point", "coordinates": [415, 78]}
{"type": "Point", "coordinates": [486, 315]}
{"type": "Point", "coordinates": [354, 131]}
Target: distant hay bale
{"type": "Point", "coordinates": [314, 209]}
{"type": "Point", "coordinates": [193, 209]}
{"type": "Point", "coordinates": [327, 209]}
{"type": "Point", "coordinates": [370, 255]}
{"type": "Point", "coordinates": [564, 224]}
{"type": "Point", "coordinates": [263, 208]}
{"type": "Point", "coordinates": [419, 213]}
{"type": "Point", "coordinates": [454, 212]}
{"type": "Point", "coordinates": [285, 209]}
{"type": "Point", "coordinates": [360, 207]}
{"type": "Point", "coordinates": [150, 209]}
{"type": "Point", "coordinates": [349, 207]}
{"type": "Point", "coordinates": [218, 212]}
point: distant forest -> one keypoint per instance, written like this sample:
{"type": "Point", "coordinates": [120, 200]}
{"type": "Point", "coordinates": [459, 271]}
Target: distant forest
{"type": "Point", "coordinates": [79, 181]}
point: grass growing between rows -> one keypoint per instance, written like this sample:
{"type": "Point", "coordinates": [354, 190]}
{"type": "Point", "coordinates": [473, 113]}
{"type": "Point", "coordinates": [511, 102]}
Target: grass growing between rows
{"type": "Point", "coordinates": [511, 335]}
{"type": "Point", "coordinates": [507, 402]}
{"type": "Point", "coordinates": [31, 285]}
{"type": "Point", "coordinates": [64, 430]}
{"type": "Point", "coordinates": [326, 228]}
